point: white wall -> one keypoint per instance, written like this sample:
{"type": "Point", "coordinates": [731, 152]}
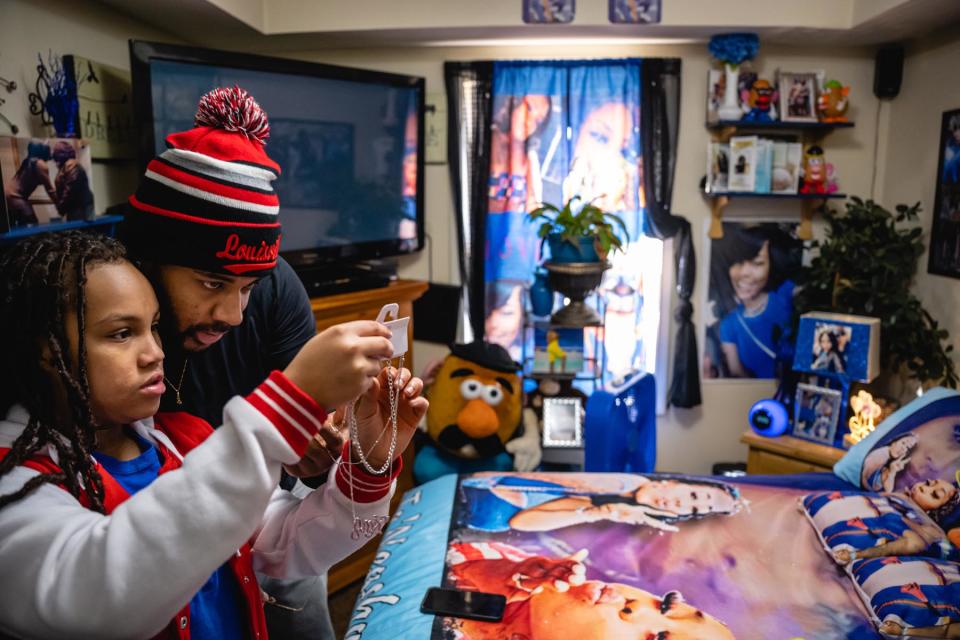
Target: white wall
{"type": "Point", "coordinates": [29, 27]}
{"type": "Point", "coordinates": [929, 88]}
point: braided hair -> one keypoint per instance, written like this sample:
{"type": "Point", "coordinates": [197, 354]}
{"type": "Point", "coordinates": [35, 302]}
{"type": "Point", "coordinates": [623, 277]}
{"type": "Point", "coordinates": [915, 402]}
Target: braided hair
{"type": "Point", "coordinates": [42, 280]}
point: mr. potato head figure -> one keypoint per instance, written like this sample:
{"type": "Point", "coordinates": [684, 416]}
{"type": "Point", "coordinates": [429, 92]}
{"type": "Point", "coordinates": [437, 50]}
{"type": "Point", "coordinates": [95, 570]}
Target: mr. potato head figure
{"type": "Point", "coordinates": [475, 416]}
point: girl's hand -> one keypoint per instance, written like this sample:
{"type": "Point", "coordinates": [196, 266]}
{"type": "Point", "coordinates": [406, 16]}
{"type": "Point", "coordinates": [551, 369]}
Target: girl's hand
{"type": "Point", "coordinates": [341, 362]}
{"type": "Point", "coordinates": [374, 419]}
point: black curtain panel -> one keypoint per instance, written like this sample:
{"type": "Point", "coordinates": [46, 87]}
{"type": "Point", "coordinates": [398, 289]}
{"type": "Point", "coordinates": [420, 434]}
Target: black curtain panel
{"type": "Point", "coordinates": [659, 125]}
{"type": "Point", "coordinates": [468, 87]}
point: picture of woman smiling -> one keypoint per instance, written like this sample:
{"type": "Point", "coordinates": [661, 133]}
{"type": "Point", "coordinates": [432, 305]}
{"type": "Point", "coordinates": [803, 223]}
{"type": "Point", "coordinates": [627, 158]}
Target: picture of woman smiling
{"type": "Point", "coordinates": [751, 291]}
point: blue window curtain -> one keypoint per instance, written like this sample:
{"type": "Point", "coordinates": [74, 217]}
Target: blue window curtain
{"type": "Point", "coordinates": [514, 132]}
{"type": "Point", "coordinates": [559, 129]}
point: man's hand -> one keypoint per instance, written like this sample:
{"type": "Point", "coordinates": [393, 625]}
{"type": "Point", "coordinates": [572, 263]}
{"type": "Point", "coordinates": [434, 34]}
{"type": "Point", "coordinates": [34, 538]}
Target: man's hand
{"type": "Point", "coordinates": [373, 415]}
{"type": "Point", "coordinates": [322, 452]}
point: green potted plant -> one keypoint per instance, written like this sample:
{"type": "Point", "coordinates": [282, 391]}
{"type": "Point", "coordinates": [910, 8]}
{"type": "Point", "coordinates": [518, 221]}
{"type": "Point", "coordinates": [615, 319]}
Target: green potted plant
{"type": "Point", "coordinates": [584, 234]}
{"type": "Point", "coordinates": [866, 267]}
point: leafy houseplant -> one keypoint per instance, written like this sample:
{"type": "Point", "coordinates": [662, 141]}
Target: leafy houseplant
{"type": "Point", "coordinates": [865, 267]}
{"type": "Point", "coordinates": [587, 228]}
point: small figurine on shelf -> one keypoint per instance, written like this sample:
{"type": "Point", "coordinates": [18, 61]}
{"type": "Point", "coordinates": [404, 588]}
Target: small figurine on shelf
{"type": "Point", "coordinates": [761, 99]}
{"type": "Point", "coordinates": [555, 351]}
{"type": "Point", "coordinates": [817, 173]}
{"type": "Point", "coordinates": [832, 102]}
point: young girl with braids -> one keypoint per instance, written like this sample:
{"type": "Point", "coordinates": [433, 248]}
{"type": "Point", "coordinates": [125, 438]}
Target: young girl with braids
{"type": "Point", "coordinates": [116, 523]}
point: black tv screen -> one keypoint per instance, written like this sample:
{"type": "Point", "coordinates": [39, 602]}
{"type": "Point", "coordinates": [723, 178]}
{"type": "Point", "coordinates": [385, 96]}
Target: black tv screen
{"type": "Point", "coordinates": [349, 143]}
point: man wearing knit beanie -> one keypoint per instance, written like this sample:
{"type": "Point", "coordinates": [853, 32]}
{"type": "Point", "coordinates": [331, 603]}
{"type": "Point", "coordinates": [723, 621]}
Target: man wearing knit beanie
{"type": "Point", "coordinates": [204, 226]}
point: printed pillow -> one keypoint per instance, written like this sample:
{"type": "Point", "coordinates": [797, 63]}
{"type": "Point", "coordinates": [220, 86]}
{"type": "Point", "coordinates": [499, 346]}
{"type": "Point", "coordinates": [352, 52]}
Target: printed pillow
{"type": "Point", "coordinates": [919, 597]}
{"type": "Point", "coordinates": [854, 525]}
{"type": "Point", "coordinates": [915, 452]}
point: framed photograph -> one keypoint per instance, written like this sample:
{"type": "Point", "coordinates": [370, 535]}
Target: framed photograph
{"type": "Point", "coordinates": [548, 11]}
{"type": "Point", "coordinates": [743, 164]}
{"type": "Point", "coordinates": [798, 96]}
{"type": "Point", "coordinates": [562, 422]}
{"type": "Point", "coordinates": [45, 181]}
{"type": "Point", "coordinates": [634, 11]}
{"type": "Point", "coordinates": [748, 305]}
{"type": "Point", "coordinates": [945, 230]}
{"type": "Point", "coordinates": [838, 345]}
{"type": "Point", "coordinates": [816, 413]}
{"type": "Point", "coordinates": [718, 167]}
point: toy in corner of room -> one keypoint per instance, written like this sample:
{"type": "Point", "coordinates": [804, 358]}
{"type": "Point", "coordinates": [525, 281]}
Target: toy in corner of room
{"type": "Point", "coordinates": [818, 175]}
{"type": "Point", "coordinates": [832, 103]}
{"type": "Point", "coordinates": [473, 423]}
{"type": "Point", "coordinates": [761, 99]}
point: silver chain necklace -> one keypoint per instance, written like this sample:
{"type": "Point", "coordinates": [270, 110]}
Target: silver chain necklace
{"type": "Point", "coordinates": [370, 527]}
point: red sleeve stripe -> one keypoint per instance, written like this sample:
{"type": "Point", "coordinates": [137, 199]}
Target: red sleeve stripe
{"type": "Point", "coordinates": [366, 487]}
{"type": "Point", "coordinates": [279, 400]}
{"type": "Point", "coordinates": [310, 412]}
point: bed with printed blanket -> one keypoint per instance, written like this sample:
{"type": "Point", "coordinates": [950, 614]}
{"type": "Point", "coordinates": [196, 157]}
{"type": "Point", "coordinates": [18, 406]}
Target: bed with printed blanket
{"type": "Point", "coordinates": [660, 556]}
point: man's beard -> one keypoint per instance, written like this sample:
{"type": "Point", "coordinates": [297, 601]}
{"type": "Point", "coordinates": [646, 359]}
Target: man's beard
{"type": "Point", "coordinates": [172, 337]}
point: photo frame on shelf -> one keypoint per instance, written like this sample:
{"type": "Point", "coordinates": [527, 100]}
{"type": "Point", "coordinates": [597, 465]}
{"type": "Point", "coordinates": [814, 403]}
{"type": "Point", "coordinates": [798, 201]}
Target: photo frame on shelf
{"type": "Point", "coordinates": [945, 227]}
{"type": "Point", "coordinates": [718, 167]}
{"type": "Point", "coordinates": [548, 11]}
{"type": "Point", "coordinates": [840, 345]}
{"type": "Point", "coordinates": [562, 422]}
{"type": "Point", "coordinates": [816, 413]}
{"type": "Point", "coordinates": [798, 96]}
{"type": "Point", "coordinates": [742, 176]}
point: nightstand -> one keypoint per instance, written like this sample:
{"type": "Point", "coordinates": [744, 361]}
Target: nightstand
{"type": "Point", "coordinates": [786, 454]}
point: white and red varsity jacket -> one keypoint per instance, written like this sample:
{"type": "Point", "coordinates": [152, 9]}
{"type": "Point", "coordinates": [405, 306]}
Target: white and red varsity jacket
{"type": "Point", "coordinates": [70, 572]}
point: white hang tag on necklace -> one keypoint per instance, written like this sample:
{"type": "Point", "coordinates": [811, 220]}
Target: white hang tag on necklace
{"type": "Point", "coordinates": [398, 326]}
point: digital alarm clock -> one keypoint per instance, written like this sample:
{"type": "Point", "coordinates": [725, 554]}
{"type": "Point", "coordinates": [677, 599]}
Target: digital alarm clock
{"type": "Point", "coordinates": [769, 418]}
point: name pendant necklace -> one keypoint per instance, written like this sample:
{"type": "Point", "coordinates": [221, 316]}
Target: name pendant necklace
{"type": "Point", "coordinates": [370, 527]}
{"type": "Point", "coordinates": [176, 388]}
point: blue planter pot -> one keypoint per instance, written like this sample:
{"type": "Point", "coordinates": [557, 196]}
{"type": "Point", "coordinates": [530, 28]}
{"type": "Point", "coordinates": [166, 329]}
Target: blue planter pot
{"type": "Point", "coordinates": [541, 294]}
{"type": "Point", "coordinates": [564, 252]}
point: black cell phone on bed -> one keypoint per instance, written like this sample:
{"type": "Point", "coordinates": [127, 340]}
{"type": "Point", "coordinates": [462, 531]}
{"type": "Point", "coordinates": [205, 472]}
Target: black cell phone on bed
{"type": "Point", "coordinates": [475, 605]}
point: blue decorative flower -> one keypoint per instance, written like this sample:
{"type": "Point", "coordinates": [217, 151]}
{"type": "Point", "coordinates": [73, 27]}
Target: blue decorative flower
{"type": "Point", "coordinates": [734, 48]}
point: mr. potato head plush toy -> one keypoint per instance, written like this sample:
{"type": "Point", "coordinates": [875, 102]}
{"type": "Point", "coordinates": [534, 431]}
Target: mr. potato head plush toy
{"type": "Point", "coordinates": [475, 416]}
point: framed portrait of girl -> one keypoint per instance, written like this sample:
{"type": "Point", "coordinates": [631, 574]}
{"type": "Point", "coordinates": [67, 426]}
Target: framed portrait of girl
{"type": "Point", "coordinates": [798, 96]}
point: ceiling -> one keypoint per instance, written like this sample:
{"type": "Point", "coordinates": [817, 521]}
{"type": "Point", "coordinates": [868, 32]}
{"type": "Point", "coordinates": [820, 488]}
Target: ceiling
{"type": "Point", "coordinates": [291, 25]}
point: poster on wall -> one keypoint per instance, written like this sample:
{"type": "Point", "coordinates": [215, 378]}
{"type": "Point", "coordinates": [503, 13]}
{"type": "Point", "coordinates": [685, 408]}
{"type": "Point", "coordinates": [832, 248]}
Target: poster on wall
{"type": "Point", "coordinates": [749, 307]}
{"type": "Point", "coordinates": [945, 230]}
{"type": "Point", "coordinates": [634, 11]}
{"type": "Point", "coordinates": [45, 181]}
{"type": "Point", "coordinates": [548, 11]}
{"type": "Point", "coordinates": [104, 112]}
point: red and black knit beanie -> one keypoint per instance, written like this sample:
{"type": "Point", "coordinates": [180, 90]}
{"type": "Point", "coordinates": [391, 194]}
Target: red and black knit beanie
{"type": "Point", "coordinates": [207, 202]}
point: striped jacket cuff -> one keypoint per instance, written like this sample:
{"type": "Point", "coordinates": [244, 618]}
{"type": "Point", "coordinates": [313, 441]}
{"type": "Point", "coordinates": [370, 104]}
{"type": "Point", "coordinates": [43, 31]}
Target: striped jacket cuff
{"type": "Point", "coordinates": [366, 486]}
{"type": "Point", "coordinates": [295, 414]}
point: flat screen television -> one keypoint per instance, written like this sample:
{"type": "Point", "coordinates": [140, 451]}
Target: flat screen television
{"type": "Point", "coordinates": [349, 143]}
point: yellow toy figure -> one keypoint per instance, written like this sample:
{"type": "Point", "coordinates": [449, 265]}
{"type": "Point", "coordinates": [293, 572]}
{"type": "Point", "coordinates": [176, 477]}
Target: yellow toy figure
{"type": "Point", "coordinates": [555, 351]}
{"type": "Point", "coordinates": [832, 102]}
{"type": "Point", "coordinates": [475, 415]}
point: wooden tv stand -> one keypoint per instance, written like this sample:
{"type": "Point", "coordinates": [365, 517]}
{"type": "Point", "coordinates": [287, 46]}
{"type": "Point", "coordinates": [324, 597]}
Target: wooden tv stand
{"type": "Point", "coordinates": [365, 305]}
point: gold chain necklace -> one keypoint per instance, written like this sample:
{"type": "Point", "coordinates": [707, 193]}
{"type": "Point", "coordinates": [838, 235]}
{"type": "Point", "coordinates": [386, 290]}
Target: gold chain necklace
{"type": "Point", "coordinates": [176, 389]}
